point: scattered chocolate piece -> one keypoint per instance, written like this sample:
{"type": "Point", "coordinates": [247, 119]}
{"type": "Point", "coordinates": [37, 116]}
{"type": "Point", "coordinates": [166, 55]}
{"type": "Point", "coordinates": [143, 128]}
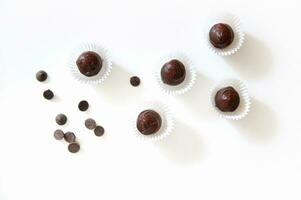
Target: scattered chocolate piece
{"type": "Point", "coordinates": [227, 99]}
{"type": "Point", "coordinates": [148, 122]}
{"type": "Point", "coordinates": [58, 134]}
{"type": "Point", "coordinates": [41, 76]}
{"type": "Point", "coordinates": [48, 94]}
{"type": "Point", "coordinates": [221, 35]}
{"type": "Point", "coordinates": [135, 81]}
{"type": "Point", "coordinates": [70, 137]}
{"type": "Point", "coordinates": [61, 119]}
{"type": "Point", "coordinates": [90, 124]}
{"type": "Point", "coordinates": [83, 105]}
{"type": "Point", "coordinates": [173, 72]}
{"type": "Point", "coordinates": [73, 147]}
{"type": "Point", "coordinates": [99, 131]}
{"type": "Point", "coordinates": [89, 63]}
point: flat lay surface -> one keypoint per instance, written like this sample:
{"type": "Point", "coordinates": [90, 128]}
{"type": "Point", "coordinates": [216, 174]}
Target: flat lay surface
{"type": "Point", "coordinates": [205, 156]}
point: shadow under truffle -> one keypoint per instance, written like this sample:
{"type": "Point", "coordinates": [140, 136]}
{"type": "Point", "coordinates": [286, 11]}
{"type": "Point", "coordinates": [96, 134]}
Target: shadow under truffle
{"type": "Point", "coordinates": [197, 99]}
{"type": "Point", "coordinates": [182, 146]}
{"type": "Point", "coordinates": [259, 125]}
{"type": "Point", "coordinates": [253, 60]}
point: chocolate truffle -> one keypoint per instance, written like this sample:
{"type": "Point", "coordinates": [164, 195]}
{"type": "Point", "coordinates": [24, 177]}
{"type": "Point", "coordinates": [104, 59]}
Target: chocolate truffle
{"type": "Point", "coordinates": [135, 81]}
{"type": "Point", "coordinates": [173, 72]}
{"type": "Point", "coordinates": [48, 94]}
{"type": "Point", "coordinates": [227, 99]}
{"type": "Point", "coordinates": [221, 35]}
{"type": "Point", "coordinates": [41, 76]}
{"type": "Point", "coordinates": [148, 122]}
{"type": "Point", "coordinates": [89, 63]}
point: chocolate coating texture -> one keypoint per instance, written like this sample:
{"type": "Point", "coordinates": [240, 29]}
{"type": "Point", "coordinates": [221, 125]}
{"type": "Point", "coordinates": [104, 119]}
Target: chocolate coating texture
{"type": "Point", "coordinates": [173, 72]}
{"type": "Point", "coordinates": [148, 122]}
{"type": "Point", "coordinates": [89, 63]}
{"type": "Point", "coordinates": [227, 99]}
{"type": "Point", "coordinates": [221, 35]}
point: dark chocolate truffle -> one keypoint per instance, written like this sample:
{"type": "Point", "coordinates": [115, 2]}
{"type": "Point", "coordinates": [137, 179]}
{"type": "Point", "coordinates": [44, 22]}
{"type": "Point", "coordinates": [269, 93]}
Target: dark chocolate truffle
{"type": "Point", "coordinates": [135, 81]}
{"type": "Point", "coordinates": [221, 35]}
{"type": "Point", "coordinates": [73, 147]}
{"type": "Point", "coordinates": [61, 119]}
{"type": "Point", "coordinates": [148, 122]}
{"type": "Point", "coordinates": [227, 99]}
{"type": "Point", "coordinates": [83, 105]}
{"type": "Point", "coordinates": [173, 72]}
{"type": "Point", "coordinates": [70, 137]}
{"type": "Point", "coordinates": [48, 94]}
{"type": "Point", "coordinates": [89, 63]}
{"type": "Point", "coordinates": [41, 76]}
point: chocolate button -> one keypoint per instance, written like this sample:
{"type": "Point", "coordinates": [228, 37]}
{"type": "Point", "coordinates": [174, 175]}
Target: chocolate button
{"type": "Point", "coordinates": [48, 94]}
{"type": "Point", "coordinates": [73, 147]}
{"type": "Point", "coordinates": [83, 105]}
{"type": "Point", "coordinates": [69, 137]}
{"type": "Point", "coordinates": [61, 119]}
{"type": "Point", "coordinates": [135, 81]}
{"type": "Point", "coordinates": [90, 124]}
{"type": "Point", "coordinates": [41, 76]}
{"type": "Point", "coordinates": [99, 131]}
{"type": "Point", "coordinates": [58, 134]}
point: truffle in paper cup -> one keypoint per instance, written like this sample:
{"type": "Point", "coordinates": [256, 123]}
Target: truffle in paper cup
{"type": "Point", "coordinates": [245, 102]}
{"type": "Point", "coordinates": [234, 23]}
{"type": "Point", "coordinates": [190, 76]}
{"type": "Point", "coordinates": [167, 122]}
{"type": "Point", "coordinates": [106, 63]}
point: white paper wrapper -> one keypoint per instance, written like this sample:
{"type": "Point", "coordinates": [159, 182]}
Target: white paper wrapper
{"type": "Point", "coordinates": [231, 20]}
{"type": "Point", "coordinates": [245, 100]}
{"type": "Point", "coordinates": [166, 116]}
{"type": "Point", "coordinates": [190, 78]}
{"type": "Point", "coordinates": [106, 65]}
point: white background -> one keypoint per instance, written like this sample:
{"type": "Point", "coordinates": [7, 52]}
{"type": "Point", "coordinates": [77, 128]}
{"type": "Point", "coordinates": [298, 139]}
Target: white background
{"type": "Point", "coordinates": [205, 158]}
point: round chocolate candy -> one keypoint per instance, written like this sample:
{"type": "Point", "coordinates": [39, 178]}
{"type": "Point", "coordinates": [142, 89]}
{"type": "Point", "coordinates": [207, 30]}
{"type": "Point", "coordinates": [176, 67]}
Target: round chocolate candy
{"type": "Point", "coordinates": [61, 119]}
{"type": "Point", "coordinates": [83, 105]}
{"type": "Point", "coordinates": [89, 63]}
{"type": "Point", "coordinates": [58, 134]}
{"type": "Point", "coordinates": [73, 148]}
{"type": "Point", "coordinates": [41, 76]}
{"type": "Point", "coordinates": [99, 131]}
{"type": "Point", "coordinates": [135, 81]}
{"type": "Point", "coordinates": [227, 99]}
{"type": "Point", "coordinates": [70, 137]}
{"type": "Point", "coordinates": [148, 122]}
{"type": "Point", "coordinates": [221, 35]}
{"type": "Point", "coordinates": [48, 94]}
{"type": "Point", "coordinates": [173, 72]}
{"type": "Point", "coordinates": [90, 124]}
